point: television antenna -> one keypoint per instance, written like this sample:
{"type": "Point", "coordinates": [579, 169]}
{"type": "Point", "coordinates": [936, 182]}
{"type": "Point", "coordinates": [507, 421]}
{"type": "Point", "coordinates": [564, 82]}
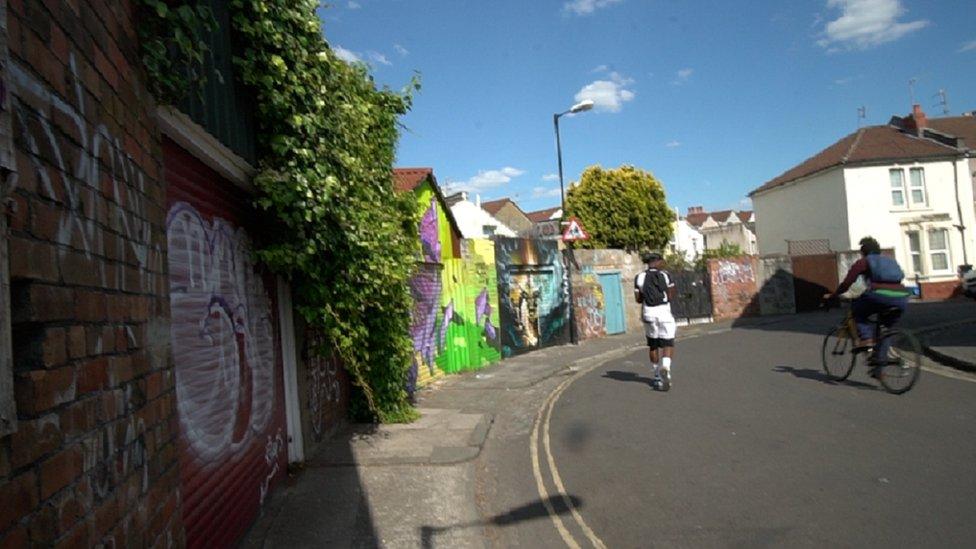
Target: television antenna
{"type": "Point", "coordinates": [943, 100]}
{"type": "Point", "coordinates": [911, 88]}
{"type": "Point", "coordinates": [862, 114]}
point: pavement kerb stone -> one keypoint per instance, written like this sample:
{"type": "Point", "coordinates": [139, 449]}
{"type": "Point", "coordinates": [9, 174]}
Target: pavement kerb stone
{"type": "Point", "coordinates": [943, 358]}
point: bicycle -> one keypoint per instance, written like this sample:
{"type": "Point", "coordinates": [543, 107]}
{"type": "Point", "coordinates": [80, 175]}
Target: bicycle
{"type": "Point", "coordinates": [897, 372]}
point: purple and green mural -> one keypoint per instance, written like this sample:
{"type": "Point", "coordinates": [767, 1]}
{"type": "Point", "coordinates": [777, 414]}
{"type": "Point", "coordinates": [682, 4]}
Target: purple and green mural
{"type": "Point", "coordinates": [454, 323]}
{"type": "Point", "coordinates": [533, 294]}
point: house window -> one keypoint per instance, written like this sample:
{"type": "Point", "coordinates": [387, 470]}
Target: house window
{"type": "Point", "coordinates": [915, 250]}
{"type": "Point", "coordinates": [488, 230]}
{"type": "Point", "coordinates": [897, 187]}
{"type": "Point", "coordinates": [917, 180]}
{"type": "Point", "coordinates": [939, 249]}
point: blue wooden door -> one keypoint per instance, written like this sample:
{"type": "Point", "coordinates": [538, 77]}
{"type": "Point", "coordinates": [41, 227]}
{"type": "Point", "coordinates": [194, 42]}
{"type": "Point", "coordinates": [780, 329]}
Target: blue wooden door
{"type": "Point", "coordinates": [613, 303]}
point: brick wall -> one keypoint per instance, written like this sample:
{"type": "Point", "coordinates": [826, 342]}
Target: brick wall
{"type": "Point", "coordinates": [94, 459]}
{"type": "Point", "coordinates": [734, 286]}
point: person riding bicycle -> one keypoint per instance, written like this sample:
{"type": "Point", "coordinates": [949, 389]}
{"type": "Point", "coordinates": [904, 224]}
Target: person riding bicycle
{"type": "Point", "coordinates": [885, 292]}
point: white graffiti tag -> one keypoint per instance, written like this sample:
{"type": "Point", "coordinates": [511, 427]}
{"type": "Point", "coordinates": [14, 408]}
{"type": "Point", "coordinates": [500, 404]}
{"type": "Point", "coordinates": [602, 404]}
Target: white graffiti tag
{"type": "Point", "coordinates": [323, 385]}
{"type": "Point", "coordinates": [221, 334]}
{"type": "Point", "coordinates": [271, 451]}
{"type": "Point", "coordinates": [731, 271]}
{"type": "Point", "coordinates": [78, 174]}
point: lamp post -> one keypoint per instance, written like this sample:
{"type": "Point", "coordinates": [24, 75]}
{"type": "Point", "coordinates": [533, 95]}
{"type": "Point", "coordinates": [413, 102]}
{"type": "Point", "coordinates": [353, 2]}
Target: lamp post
{"type": "Point", "coordinates": [579, 107]}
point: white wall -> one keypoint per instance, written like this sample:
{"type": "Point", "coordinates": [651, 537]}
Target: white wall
{"type": "Point", "coordinates": [872, 212]}
{"type": "Point", "coordinates": [472, 221]}
{"type": "Point", "coordinates": [812, 208]}
{"type": "Point", "coordinates": [733, 233]}
{"type": "Point", "coordinates": [687, 240]}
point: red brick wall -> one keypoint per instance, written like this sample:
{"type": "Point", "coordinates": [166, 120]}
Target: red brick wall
{"type": "Point", "coordinates": [734, 287]}
{"type": "Point", "coordinates": [941, 290]}
{"type": "Point", "coordinates": [94, 459]}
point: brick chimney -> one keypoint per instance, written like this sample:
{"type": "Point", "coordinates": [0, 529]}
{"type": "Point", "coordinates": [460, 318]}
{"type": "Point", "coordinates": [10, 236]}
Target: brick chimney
{"type": "Point", "coordinates": [917, 121]}
{"type": "Point", "coordinates": [695, 210]}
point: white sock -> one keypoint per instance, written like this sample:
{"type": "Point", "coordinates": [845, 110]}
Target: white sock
{"type": "Point", "coordinates": [666, 363]}
{"type": "Point", "coordinates": [655, 367]}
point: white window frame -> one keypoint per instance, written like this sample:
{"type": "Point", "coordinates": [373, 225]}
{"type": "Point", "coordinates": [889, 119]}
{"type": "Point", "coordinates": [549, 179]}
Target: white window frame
{"type": "Point", "coordinates": [912, 188]}
{"type": "Point", "coordinates": [947, 251]}
{"type": "Point", "coordinates": [901, 190]}
{"type": "Point", "coordinates": [918, 268]}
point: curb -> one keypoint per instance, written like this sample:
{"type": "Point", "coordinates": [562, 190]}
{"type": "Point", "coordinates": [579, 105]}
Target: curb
{"type": "Point", "coordinates": [944, 358]}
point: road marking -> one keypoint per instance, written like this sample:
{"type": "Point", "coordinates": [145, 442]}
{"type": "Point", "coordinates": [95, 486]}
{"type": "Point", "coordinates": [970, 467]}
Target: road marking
{"type": "Point", "coordinates": [541, 485]}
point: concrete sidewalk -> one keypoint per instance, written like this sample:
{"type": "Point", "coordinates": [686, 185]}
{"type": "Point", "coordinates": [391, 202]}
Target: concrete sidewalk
{"type": "Point", "coordinates": [953, 346]}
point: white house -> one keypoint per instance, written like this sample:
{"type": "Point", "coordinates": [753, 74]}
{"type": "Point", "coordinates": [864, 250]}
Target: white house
{"type": "Point", "coordinates": [906, 184]}
{"type": "Point", "coordinates": [473, 221]}
{"type": "Point", "coordinates": [726, 226]}
{"type": "Point", "coordinates": [686, 240]}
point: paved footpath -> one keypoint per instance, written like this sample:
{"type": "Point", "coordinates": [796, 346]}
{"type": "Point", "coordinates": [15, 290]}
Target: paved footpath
{"type": "Point", "coordinates": [471, 472]}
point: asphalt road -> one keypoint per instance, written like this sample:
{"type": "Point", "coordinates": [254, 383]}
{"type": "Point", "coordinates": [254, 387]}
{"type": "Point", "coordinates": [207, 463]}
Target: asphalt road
{"type": "Point", "coordinates": [754, 447]}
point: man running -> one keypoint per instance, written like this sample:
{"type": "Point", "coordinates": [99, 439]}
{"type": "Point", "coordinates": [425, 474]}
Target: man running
{"type": "Point", "coordinates": [653, 289]}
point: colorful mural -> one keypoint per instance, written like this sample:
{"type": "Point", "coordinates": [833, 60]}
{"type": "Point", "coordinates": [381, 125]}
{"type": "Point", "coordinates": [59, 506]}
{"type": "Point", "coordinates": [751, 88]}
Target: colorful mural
{"type": "Point", "coordinates": [589, 304]}
{"type": "Point", "coordinates": [454, 323]}
{"type": "Point", "coordinates": [533, 294]}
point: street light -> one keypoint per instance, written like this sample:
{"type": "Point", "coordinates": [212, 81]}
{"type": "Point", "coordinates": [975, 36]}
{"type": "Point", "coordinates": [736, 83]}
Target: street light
{"type": "Point", "coordinates": [579, 107]}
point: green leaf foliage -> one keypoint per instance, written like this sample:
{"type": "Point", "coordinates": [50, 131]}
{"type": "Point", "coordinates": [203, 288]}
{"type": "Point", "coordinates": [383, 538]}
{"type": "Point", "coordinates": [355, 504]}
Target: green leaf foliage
{"type": "Point", "coordinates": [623, 208]}
{"type": "Point", "coordinates": [327, 138]}
{"type": "Point", "coordinates": [725, 250]}
{"type": "Point", "coordinates": [173, 47]}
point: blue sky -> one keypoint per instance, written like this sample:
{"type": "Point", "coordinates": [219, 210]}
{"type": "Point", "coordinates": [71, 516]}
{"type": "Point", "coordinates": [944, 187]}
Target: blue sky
{"type": "Point", "coordinates": [714, 98]}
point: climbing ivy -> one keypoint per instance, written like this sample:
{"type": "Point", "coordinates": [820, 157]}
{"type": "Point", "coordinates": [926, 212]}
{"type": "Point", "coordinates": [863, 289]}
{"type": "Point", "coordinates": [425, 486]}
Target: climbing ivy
{"type": "Point", "coordinates": [172, 45]}
{"type": "Point", "coordinates": [327, 138]}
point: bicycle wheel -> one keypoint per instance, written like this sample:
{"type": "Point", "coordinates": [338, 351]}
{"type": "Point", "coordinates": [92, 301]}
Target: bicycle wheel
{"type": "Point", "coordinates": [837, 353]}
{"type": "Point", "coordinates": [904, 362]}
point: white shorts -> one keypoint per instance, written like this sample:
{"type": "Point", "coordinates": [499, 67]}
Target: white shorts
{"type": "Point", "coordinates": [659, 322]}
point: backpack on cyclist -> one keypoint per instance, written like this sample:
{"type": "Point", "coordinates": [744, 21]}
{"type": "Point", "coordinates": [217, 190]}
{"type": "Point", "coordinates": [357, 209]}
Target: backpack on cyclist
{"type": "Point", "coordinates": [655, 288]}
{"type": "Point", "coordinates": [884, 269]}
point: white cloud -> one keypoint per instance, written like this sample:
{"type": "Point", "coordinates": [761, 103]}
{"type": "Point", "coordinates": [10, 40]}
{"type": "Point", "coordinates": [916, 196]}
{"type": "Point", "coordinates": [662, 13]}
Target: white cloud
{"type": "Point", "coordinates": [968, 46]}
{"type": "Point", "coordinates": [682, 76]}
{"type": "Point", "coordinates": [601, 68]}
{"type": "Point", "coordinates": [401, 50]}
{"type": "Point", "coordinates": [353, 5]}
{"type": "Point", "coordinates": [348, 56]}
{"type": "Point", "coordinates": [607, 95]}
{"type": "Point", "coordinates": [865, 24]}
{"type": "Point", "coordinates": [673, 144]}
{"type": "Point", "coordinates": [379, 58]}
{"type": "Point", "coordinates": [543, 192]}
{"type": "Point", "coordinates": [551, 177]}
{"type": "Point", "coordinates": [486, 179]}
{"type": "Point", "coordinates": [586, 7]}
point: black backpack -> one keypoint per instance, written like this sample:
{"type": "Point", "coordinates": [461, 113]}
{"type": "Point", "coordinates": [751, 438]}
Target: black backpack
{"type": "Point", "coordinates": [655, 288]}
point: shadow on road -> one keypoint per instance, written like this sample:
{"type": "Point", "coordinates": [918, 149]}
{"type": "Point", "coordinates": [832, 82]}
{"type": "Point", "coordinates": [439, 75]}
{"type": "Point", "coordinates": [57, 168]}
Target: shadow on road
{"type": "Point", "coordinates": [626, 376]}
{"type": "Point", "coordinates": [817, 375]}
{"type": "Point", "coordinates": [559, 505]}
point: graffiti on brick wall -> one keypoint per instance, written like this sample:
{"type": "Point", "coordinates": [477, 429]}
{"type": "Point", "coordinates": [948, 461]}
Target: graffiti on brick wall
{"type": "Point", "coordinates": [729, 272]}
{"type": "Point", "coordinates": [83, 172]}
{"type": "Point", "coordinates": [272, 451]}
{"type": "Point", "coordinates": [324, 387]}
{"type": "Point", "coordinates": [221, 335]}
{"type": "Point", "coordinates": [533, 294]}
{"type": "Point", "coordinates": [425, 287]}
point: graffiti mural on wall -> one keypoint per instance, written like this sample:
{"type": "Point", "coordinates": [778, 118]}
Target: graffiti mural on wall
{"type": "Point", "coordinates": [589, 305]}
{"type": "Point", "coordinates": [532, 294]}
{"type": "Point", "coordinates": [323, 386]}
{"type": "Point", "coordinates": [222, 340]}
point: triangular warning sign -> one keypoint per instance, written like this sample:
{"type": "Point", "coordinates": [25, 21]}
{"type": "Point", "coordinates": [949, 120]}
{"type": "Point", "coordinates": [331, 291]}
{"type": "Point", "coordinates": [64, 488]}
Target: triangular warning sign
{"type": "Point", "coordinates": [574, 231]}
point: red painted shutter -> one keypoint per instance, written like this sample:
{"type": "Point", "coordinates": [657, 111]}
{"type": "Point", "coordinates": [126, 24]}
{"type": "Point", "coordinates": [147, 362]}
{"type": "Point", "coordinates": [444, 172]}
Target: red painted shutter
{"type": "Point", "coordinates": [225, 343]}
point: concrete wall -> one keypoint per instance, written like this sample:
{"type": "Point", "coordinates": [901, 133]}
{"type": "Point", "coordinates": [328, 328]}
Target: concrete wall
{"type": "Point", "coordinates": [514, 219]}
{"type": "Point", "coordinates": [776, 290]}
{"type": "Point", "coordinates": [588, 295]}
{"type": "Point", "coordinates": [94, 459]}
{"type": "Point", "coordinates": [812, 208]}
{"type": "Point", "coordinates": [871, 212]}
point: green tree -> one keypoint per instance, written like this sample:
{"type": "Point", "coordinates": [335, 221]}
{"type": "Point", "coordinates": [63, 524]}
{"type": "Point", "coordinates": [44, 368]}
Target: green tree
{"type": "Point", "coordinates": [726, 249]}
{"type": "Point", "coordinates": [621, 208]}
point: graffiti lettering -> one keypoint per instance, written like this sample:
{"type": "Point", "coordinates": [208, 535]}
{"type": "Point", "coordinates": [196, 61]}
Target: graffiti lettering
{"type": "Point", "coordinates": [324, 389]}
{"type": "Point", "coordinates": [271, 451]}
{"type": "Point", "coordinates": [731, 271]}
{"type": "Point", "coordinates": [221, 334]}
{"type": "Point", "coordinates": [128, 212]}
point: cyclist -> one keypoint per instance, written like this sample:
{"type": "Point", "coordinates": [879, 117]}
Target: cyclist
{"type": "Point", "coordinates": [653, 289]}
{"type": "Point", "coordinates": [885, 291]}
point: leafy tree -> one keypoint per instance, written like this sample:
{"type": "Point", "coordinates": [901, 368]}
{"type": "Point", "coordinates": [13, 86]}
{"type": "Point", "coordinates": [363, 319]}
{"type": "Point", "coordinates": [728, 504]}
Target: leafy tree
{"type": "Point", "coordinates": [623, 207]}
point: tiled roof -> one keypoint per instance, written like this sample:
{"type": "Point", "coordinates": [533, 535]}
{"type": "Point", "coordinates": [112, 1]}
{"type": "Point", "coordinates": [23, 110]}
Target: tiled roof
{"type": "Point", "coordinates": [744, 216]}
{"type": "Point", "coordinates": [542, 215]}
{"type": "Point", "coordinates": [493, 206]}
{"type": "Point", "coordinates": [958, 126]}
{"type": "Point", "coordinates": [407, 179]}
{"type": "Point", "coordinates": [871, 144]}
{"type": "Point", "coordinates": [721, 216]}
{"type": "Point", "coordinates": [697, 219]}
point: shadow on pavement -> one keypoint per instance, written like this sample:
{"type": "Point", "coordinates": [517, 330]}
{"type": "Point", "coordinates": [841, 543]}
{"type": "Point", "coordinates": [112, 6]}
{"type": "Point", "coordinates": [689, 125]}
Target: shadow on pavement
{"type": "Point", "coordinates": [560, 505]}
{"type": "Point", "coordinates": [626, 376]}
{"type": "Point", "coordinates": [817, 375]}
